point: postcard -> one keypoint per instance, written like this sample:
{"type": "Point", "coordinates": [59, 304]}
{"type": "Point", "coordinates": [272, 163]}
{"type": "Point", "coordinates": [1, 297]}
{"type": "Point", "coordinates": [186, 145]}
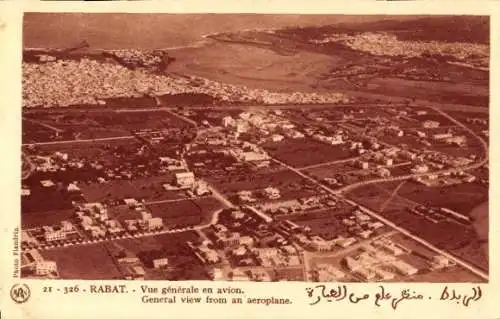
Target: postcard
{"type": "Point", "coordinates": [240, 160]}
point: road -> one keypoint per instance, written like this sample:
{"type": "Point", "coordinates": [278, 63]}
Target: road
{"type": "Point", "coordinates": [473, 269]}
{"type": "Point", "coordinates": [50, 127]}
{"type": "Point", "coordinates": [425, 243]}
{"type": "Point", "coordinates": [213, 221]}
{"type": "Point", "coordinates": [330, 163]}
{"type": "Point", "coordinates": [126, 137]}
{"type": "Point", "coordinates": [176, 200]}
{"type": "Point", "coordinates": [371, 213]}
{"type": "Point", "coordinates": [391, 196]}
{"type": "Point", "coordinates": [439, 172]}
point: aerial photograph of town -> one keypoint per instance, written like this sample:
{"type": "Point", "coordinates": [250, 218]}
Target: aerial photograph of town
{"type": "Point", "coordinates": [249, 147]}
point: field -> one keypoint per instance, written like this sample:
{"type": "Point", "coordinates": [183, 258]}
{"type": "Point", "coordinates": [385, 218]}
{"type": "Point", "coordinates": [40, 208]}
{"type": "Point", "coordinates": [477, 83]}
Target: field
{"type": "Point", "coordinates": [84, 262]}
{"type": "Point", "coordinates": [42, 200]}
{"type": "Point", "coordinates": [183, 265]}
{"type": "Point", "coordinates": [101, 151]}
{"type": "Point", "coordinates": [439, 92]}
{"type": "Point", "coordinates": [461, 198]}
{"type": "Point", "coordinates": [304, 152]}
{"type": "Point", "coordinates": [42, 218]}
{"type": "Point", "coordinates": [289, 183]}
{"type": "Point", "coordinates": [147, 188]}
{"type": "Point", "coordinates": [95, 261]}
{"type": "Point", "coordinates": [186, 212]}
{"type": "Point", "coordinates": [326, 223]}
{"type": "Point", "coordinates": [467, 242]}
{"type": "Point", "coordinates": [94, 124]}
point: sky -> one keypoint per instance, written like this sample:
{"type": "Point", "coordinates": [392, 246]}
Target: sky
{"type": "Point", "coordinates": [157, 31]}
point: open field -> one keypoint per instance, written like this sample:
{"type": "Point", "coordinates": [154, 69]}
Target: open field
{"type": "Point", "coordinates": [466, 242]}
{"type": "Point", "coordinates": [183, 264]}
{"type": "Point", "coordinates": [311, 152]}
{"type": "Point", "coordinates": [325, 223]}
{"type": "Point", "coordinates": [461, 197]}
{"type": "Point", "coordinates": [289, 184]}
{"type": "Point", "coordinates": [441, 92]}
{"type": "Point", "coordinates": [96, 124]}
{"type": "Point", "coordinates": [42, 200]}
{"type": "Point", "coordinates": [84, 262]}
{"type": "Point", "coordinates": [42, 218]}
{"type": "Point", "coordinates": [187, 212]}
{"type": "Point", "coordinates": [147, 188]}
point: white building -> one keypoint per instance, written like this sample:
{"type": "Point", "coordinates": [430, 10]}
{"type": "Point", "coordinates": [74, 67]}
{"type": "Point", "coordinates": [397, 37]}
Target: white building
{"type": "Point", "coordinates": [160, 263]}
{"type": "Point", "coordinates": [54, 235]}
{"type": "Point", "coordinates": [272, 193]}
{"type": "Point", "coordinates": [431, 124]}
{"type": "Point", "coordinates": [45, 267]}
{"type": "Point", "coordinates": [47, 183]}
{"type": "Point", "coordinates": [154, 223]}
{"type": "Point", "coordinates": [185, 179]}
{"type": "Point", "coordinates": [73, 188]}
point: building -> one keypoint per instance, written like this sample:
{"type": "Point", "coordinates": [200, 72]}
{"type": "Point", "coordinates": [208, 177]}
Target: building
{"type": "Point", "coordinates": [345, 242]}
{"type": "Point", "coordinates": [67, 226]}
{"type": "Point", "coordinates": [34, 256]}
{"type": "Point", "coordinates": [260, 275]}
{"type": "Point", "coordinates": [45, 267]}
{"type": "Point", "coordinates": [326, 273]}
{"type": "Point", "coordinates": [246, 240]}
{"type": "Point", "coordinates": [217, 274]}
{"type": "Point", "coordinates": [146, 215]}
{"type": "Point", "coordinates": [440, 262]}
{"type": "Point", "coordinates": [383, 172]}
{"type": "Point", "coordinates": [319, 244]}
{"type": "Point", "coordinates": [201, 188]}
{"type": "Point", "coordinates": [54, 235]}
{"type": "Point", "coordinates": [404, 268]}
{"type": "Point", "coordinates": [154, 223]}
{"type": "Point", "coordinates": [27, 238]}
{"type": "Point", "coordinates": [228, 121]}
{"type": "Point", "coordinates": [431, 124]}
{"type": "Point", "coordinates": [47, 183]}
{"type": "Point", "coordinates": [365, 273]}
{"type": "Point", "coordinates": [264, 253]}
{"type": "Point", "coordinates": [272, 193]}
{"type": "Point", "coordinates": [277, 138]}
{"type": "Point", "coordinates": [442, 136]}
{"type": "Point", "coordinates": [227, 239]}
{"type": "Point", "coordinates": [383, 274]}
{"type": "Point", "coordinates": [420, 168]}
{"type": "Point", "coordinates": [72, 188]}
{"type": "Point", "coordinates": [460, 141]}
{"type": "Point", "coordinates": [253, 156]}
{"type": "Point", "coordinates": [138, 271]}
{"type": "Point", "coordinates": [160, 263]}
{"type": "Point", "coordinates": [131, 202]}
{"type": "Point", "coordinates": [185, 179]}
{"type": "Point", "coordinates": [362, 164]}
{"type": "Point", "coordinates": [258, 214]}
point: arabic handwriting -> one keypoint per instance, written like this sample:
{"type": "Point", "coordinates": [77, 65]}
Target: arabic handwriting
{"type": "Point", "coordinates": [390, 298]}
{"type": "Point", "coordinates": [465, 299]}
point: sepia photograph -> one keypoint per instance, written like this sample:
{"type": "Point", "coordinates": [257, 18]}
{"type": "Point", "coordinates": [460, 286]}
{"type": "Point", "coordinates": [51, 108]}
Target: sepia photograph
{"type": "Point", "coordinates": [255, 147]}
